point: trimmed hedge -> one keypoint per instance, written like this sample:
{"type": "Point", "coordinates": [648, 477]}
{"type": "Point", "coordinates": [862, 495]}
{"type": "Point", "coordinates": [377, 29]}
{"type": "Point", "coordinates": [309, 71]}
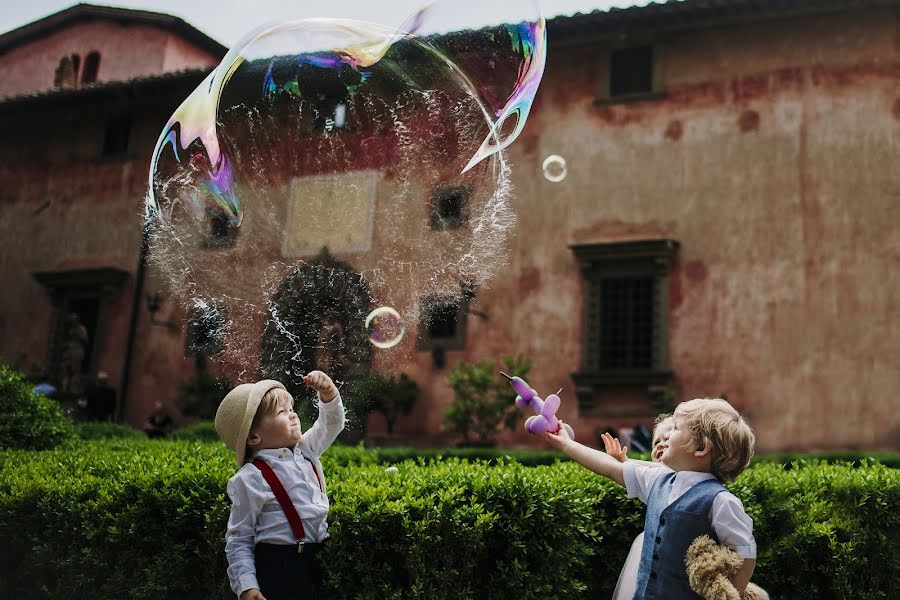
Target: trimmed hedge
{"type": "Point", "coordinates": [106, 431]}
{"type": "Point", "coordinates": [136, 519]}
{"type": "Point", "coordinates": [27, 420]}
{"type": "Point", "coordinates": [205, 431]}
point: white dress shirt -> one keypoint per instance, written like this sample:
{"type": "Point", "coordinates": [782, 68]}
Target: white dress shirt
{"type": "Point", "coordinates": [732, 525]}
{"type": "Point", "coordinates": [256, 516]}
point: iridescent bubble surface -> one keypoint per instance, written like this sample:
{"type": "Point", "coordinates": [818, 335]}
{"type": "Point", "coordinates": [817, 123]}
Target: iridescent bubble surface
{"type": "Point", "coordinates": [555, 168]}
{"type": "Point", "coordinates": [385, 327]}
{"type": "Point", "coordinates": [328, 167]}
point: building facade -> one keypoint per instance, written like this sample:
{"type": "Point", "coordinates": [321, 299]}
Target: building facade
{"type": "Point", "coordinates": [727, 225]}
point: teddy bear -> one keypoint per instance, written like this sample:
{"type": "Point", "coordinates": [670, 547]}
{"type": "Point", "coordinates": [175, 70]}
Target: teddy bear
{"type": "Point", "coordinates": [710, 567]}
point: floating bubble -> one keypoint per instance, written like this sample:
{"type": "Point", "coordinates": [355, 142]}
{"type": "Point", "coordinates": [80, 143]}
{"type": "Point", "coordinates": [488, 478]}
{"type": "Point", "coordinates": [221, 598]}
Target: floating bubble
{"type": "Point", "coordinates": [327, 167]}
{"type": "Point", "coordinates": [555, 169]}
{"type": "Point", "coordinates": [385, 327]}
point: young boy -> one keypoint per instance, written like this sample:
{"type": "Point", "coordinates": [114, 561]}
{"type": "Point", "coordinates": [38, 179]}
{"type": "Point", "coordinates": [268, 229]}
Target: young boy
{"type": "Point", "coordinates": [279, 505]}
{"type": "Point", "coordinates": [709, 443]}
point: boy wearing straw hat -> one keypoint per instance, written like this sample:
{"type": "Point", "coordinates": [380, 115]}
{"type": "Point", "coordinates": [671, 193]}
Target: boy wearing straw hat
{"type": "Point", "coordinates": [279, 504]}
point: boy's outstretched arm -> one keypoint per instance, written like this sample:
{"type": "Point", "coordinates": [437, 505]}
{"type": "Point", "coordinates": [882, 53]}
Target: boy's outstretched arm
{"type": "Point", "coordinates": [598, 462]}
{"type": "Point", "coordinates": [742, 577]}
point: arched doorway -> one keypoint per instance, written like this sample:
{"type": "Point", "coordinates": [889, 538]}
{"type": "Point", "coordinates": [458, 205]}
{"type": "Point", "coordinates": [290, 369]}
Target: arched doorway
{"type": "Point", "coordinates": [317, 321]}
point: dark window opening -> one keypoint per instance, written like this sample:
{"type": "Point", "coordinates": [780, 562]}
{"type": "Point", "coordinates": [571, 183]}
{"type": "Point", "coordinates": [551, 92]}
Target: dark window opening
{"type": "Point", "coordinates": [66, 74]}
{"type": "Point", "coordinates": [221, 231]}
{"type": "Point", "coordinates": [117, 136]}
{"type": "Point", "coordinates": [448, 208]}
{"type": "Point", "coordinates": [443, 323]}
{"type": "Point", "coordinates": [627, 309]}
{"type": "Point", "coordinates": [631, 71]}
{"type": "Point", "coordinates": [205, 330]}
{"type": "Point", "coordinates": [91, 67]}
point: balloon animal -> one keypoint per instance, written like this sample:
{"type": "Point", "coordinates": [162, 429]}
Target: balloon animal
{"type": "Point", "coordinates": [544, 417]}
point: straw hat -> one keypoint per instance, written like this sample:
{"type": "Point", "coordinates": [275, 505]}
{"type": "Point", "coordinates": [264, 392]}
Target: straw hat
{"type": "Point", "coordinates": [236, 412]}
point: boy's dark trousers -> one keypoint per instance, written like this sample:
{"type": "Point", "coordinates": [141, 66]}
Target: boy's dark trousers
{"type": "Point", "coordinates": [285, 574]}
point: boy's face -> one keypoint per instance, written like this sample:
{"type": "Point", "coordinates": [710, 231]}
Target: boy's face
{"type": "Point", "coordinates": [658, 436]}
{"type": "Point", "coordinates": [679, 452]}
{"type": "Point", "coordinates": [280, 429]}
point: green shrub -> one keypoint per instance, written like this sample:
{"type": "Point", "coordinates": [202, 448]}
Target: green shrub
{"type": "Point", "coordinates": [27, 420]}
{"type": "Point", "coordinates": [205, 431]}
{"type": "Point", "coordinates": [199, 396]}
{"type": "Point", "coordinates": [391, 396]}
{"type": "Point", "coordinates": [105, 431]}
{"type": "Point", "coordinates": [483, 400]}
{"type": "Point", "coordinates": [135, 519]}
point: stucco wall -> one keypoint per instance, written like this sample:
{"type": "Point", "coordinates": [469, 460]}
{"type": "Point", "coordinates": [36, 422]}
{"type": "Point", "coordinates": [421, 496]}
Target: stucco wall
{"type": "Point", "coordinates": [770, 159]}
{"type": "Point", "coordinates": [126, 51]}
{"type": "Point", "coordinates": [771, 162]}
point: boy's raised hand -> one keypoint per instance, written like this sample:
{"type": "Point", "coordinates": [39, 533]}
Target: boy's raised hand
{"type": "Point", "coordinates": [322, 383]}
{"type": "Point", "coordinates": [252, 594]}
{"type": "Point", "coordinates": [614, 448]}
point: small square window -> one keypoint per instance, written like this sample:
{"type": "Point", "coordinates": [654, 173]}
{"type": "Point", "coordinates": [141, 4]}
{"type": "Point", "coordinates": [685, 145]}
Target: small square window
{"type": "Point", "coordinates": [221, 232]}
{"type": "Point", "coordinates": [631, 71]}
{"type": "Point", "coordinates": [448, 208]}
{"type": "Point", "coordinates": [206, 325]}
{"type": "Point", "coordinates": [443, 323]}
{"type": "Point", "coordinates": [117, 136]}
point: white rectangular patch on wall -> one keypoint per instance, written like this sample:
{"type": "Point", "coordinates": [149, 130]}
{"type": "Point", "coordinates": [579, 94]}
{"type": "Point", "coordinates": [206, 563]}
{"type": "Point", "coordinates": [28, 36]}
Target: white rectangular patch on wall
{"type": "Point", "coordinates": [331, 210]}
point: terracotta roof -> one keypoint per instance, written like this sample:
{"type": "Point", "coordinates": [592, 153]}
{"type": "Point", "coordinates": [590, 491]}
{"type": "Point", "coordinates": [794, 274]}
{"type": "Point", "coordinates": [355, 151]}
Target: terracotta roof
{"type": "Point", "coordinates": [184, 81]}
{"type": "Point", "coordinates": [684, 14]}
{"type": "Point", "coordinates": [83, 12]}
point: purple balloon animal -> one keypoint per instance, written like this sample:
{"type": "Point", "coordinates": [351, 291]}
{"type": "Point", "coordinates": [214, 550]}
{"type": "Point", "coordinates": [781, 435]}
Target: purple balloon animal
{"type": "Point", "coordinates": [544, 418]}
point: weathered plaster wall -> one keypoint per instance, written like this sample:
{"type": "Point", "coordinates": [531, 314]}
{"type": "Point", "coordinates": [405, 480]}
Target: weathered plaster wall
{"type": "Point", "coordinates": [126, 51]}
{"type": "Point", "coordinates": [771, 162]}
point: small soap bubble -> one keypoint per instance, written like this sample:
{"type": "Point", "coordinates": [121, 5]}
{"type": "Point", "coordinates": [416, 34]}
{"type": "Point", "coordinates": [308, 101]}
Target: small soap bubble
{"type": "Point", "coordinates": [555, 168]}
{"type": "Point", "coordinates": [385, 327]}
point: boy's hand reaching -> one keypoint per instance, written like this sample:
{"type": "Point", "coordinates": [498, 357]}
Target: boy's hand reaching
{"type": "Point", "coordinates": [614, 448]}
{"type": "Point", "coordinates": [559, 439]}
{"type": "Point", "coordinates": [322, 383]}
{"type": "Point", "coordinates": [252, 594]}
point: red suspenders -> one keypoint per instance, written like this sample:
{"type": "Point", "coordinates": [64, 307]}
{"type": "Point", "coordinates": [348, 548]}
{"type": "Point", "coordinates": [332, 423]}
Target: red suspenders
{"type": "Point", "coordinates": [284, 500]}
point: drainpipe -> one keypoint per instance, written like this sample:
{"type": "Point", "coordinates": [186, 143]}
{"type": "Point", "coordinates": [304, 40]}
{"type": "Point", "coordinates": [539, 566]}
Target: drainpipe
{"type": "Point", "coordinates": [135, 313]}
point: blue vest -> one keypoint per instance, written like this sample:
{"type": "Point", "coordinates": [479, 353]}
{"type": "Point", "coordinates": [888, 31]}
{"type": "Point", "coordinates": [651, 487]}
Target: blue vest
{"type": "Point", "coordinates": [668, 532]}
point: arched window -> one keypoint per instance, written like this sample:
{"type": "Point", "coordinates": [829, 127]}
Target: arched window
{"type": "Point", "coordinates": [91, 66]}
{"type": "Point", "coordinates": [67, 72]}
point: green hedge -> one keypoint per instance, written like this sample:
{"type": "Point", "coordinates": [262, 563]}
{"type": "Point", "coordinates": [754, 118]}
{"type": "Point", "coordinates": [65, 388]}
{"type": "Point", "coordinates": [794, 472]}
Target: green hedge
{"type": "Point", "coordinates": [141, 519]}
{"type": "Point", "coordinates": [28, 420]}
{"type": "Point", "coordinates": [205, 431]}
{"type": "Point", "coordinates": [106, 431]}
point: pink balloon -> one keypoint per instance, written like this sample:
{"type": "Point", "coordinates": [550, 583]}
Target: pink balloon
{"type": "Point", "coordinates": [528, 423]}
{"type": "Point", "coordinates": [569, 430]}
{"type": "Point", "coordinates": [521, 402]}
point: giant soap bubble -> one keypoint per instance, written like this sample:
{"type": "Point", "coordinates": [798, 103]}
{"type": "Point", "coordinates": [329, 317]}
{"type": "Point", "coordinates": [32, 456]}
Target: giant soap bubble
{"type": "Point", "coordinates": [329, 167]}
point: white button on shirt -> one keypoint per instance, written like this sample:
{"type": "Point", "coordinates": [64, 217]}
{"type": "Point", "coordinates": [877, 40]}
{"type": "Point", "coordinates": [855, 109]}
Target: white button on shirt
{"type": "Point", "coordinates": [257, 517]}
{"type": "Point", "coordinates": [732, 525]}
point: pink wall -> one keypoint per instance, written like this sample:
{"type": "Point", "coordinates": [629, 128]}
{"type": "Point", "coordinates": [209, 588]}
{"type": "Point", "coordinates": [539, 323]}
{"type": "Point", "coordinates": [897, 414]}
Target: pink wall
{"type": "Point", "coordinates": [771, 160]}
{"type": "Point", "coordinates": [126, 51]}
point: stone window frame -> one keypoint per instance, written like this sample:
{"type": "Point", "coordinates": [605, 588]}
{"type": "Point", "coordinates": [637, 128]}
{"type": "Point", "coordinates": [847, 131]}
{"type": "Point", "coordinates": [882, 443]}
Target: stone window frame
{"type": "Point", "coordinates": [610, 48]}
{"type": "Point", "coordinates": [649, 257]}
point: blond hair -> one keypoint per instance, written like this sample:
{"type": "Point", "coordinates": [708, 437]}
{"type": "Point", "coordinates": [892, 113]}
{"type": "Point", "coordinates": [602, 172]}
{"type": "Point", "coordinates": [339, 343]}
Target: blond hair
{"type": "Point", "coordinates": [715, 423]}
{"type": "Point", "coordinates": [267, 406]}
{"type": "Point", "coordinates": [663, 420]}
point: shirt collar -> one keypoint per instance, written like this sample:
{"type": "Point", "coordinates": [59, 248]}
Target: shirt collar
{"type": "Point", "coordinates": [274, 453]}
{"type": "Point", "coordinates": [692, 477]}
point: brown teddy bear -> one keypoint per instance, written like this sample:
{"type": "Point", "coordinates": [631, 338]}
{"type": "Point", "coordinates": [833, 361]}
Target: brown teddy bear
{"type": "Point", "coordinates": [710, 567]}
